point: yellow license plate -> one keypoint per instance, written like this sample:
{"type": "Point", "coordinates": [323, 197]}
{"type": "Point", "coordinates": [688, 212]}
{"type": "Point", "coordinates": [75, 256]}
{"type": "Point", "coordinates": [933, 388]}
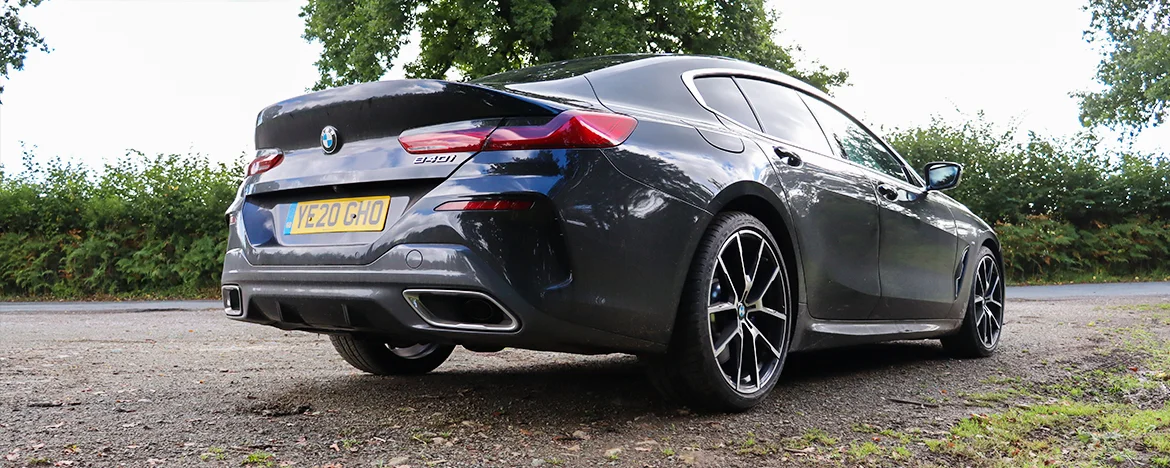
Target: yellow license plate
{"type": "Point", "coordinates": [337, 215]}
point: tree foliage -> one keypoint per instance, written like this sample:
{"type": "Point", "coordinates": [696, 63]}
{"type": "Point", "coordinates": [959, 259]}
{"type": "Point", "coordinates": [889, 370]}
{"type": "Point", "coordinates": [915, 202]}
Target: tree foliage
{"type": "Point", "coordinates": [17, 37]}
{"type": "Point", "coordinates": [1135, 68]}
{"type": "Point", "coordinates": [474, 38]}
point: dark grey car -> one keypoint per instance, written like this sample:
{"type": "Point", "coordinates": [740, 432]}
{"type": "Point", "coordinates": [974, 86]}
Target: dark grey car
{"type": "Point", "coordinates": [706, 214]}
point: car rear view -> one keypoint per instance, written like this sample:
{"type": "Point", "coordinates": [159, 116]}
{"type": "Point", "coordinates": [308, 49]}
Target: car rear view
{"type": "Point", "coordinates": [406, 217]}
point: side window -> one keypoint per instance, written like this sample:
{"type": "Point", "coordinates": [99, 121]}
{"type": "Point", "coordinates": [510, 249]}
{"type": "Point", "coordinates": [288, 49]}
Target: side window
{"type": "Point", "coordinates": [854, 142]}
{"type": "Point", "coordinates": [783, 114]}
{"type": "Point", "coordinates": [721, 93]}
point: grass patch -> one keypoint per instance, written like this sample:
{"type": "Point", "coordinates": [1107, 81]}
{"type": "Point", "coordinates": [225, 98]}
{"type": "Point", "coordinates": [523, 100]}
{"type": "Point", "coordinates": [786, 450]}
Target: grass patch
{"type": "Point", "coordinates": [213, 453]}
{"type": "Point", "coordinates": [1102, 417]}
{"type": "Point", "coordinates": [259, 458]}
{"type": "Point", "coordinates": [860, 452]}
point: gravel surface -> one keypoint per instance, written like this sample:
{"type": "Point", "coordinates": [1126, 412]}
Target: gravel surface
{"type": "Point", "coordinates": [192, 388]}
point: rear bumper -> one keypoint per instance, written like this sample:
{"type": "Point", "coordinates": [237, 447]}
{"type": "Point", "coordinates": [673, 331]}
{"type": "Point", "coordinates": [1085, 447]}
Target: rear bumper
{"type": "Point", "coordinates": [368, 300]}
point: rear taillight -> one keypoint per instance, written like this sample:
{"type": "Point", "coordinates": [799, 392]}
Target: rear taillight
{"type": "Point", "coordinates": [569, 129]}
{"type": "Point", "coordinates": [445, 141]}
{"type": "Point", "coordinates": [265, 159]}
{"type": "Point", "coordinates": [485, 205]}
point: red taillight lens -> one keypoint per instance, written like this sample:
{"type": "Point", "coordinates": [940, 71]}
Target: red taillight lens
{"type": "Point", "coordinates": [485, 205]}
{"type": "Point", "coordinates": [569, 129]}
{"type": "Point", "coordinates": [265, 159]}
{"type": "Point", "coordinates": [452, 141]}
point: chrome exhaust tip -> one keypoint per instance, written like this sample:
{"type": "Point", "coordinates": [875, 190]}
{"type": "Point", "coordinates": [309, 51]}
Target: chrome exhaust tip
{"type": "Point", "coordinates": [233, 303]}
{"type": "Point", "coordinates": [461, 310]}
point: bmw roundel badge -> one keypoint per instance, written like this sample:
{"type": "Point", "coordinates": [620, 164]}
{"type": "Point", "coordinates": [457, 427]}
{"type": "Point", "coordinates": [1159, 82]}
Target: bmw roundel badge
{"type": "Point", "coordinates": [330, 140]}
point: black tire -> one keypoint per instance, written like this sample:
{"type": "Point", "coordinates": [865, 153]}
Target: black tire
{"type": "Point", "coordinates": [972, 339]}
{"type": "Point", "coordinates": [377, 358]}
{"type": "Point", "coordinates": [691, 372]}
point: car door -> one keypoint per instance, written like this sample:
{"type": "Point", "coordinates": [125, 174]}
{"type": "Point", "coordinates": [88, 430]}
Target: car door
{"type": "Point", "coordinates": [918, 241]}
{"type": "Point", "coordinates": [835, 217]}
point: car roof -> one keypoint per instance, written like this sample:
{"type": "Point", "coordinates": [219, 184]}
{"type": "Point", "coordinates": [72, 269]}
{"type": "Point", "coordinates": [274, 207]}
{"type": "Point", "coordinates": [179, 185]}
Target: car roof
{"type": "Point", "coordinates": [609, 66]}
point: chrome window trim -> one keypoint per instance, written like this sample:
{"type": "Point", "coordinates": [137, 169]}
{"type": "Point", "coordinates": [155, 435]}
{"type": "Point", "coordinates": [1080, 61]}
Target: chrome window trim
{"type": "Point", "coordinates": [688, 79]}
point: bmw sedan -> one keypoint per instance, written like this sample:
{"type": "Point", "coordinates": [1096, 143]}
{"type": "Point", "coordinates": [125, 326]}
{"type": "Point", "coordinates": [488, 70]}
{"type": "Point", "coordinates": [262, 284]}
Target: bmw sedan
{"type": "Point", "coordinates": [706, 214]}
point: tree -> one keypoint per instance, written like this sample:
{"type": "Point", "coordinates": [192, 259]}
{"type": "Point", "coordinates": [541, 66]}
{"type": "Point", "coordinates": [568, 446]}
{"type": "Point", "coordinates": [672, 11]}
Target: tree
{"type": "Point", "coordinates": [17, 37]}
{"type": "Point", "coordinates": [1135, 67]}
{"type": "Point", "coordinates": [362, 38]}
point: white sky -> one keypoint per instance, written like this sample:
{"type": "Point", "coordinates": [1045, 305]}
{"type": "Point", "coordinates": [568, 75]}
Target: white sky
{"type": "Point", "coordinates": [181, 76]}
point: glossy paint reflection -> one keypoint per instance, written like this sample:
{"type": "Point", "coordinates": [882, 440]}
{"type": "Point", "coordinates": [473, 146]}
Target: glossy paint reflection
{"type": "Point", "coordinates": [836, 220]}
{"type": "Point", "coordinates": [919, 252]}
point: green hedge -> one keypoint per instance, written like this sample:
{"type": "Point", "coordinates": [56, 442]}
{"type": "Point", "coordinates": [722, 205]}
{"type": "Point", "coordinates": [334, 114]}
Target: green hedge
{"type": "Point", "coordinates": [1040, 248]}
{"type": "Point", "coordinates": [154, 226]}
{"type": "Point", "coordinates": [1064, 209]}
{"type": "Point", "coordinates": [142, 226]}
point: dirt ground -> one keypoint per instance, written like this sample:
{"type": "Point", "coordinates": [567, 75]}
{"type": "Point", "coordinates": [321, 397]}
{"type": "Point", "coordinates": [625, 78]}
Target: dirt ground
{"type": "Point", "coordinates": [196, 389]}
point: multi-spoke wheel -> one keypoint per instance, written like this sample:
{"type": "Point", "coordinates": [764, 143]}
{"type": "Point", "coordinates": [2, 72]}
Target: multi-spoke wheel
{"type": "Point", "coordinates": [746, 334]}
{"type": "Point", "coordinates": [983, 323]}
{"type": "Point", "coordinates": [731, 337]}
{"type": "Point", "coordinates": [380, 358]}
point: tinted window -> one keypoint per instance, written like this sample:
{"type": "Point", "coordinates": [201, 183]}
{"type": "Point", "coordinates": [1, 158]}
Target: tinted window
{"type": "Point", "coordinates": [854, 142]}
{"type": "Point", "coordinates": [721, 94]}
{"type": "Point", "coordinates": [783, 114]}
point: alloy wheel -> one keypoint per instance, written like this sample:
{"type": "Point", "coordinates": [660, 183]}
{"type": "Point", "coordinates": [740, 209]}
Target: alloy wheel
{"type": "Point", "coordinates": [988, 301]}
{"type": "Point", "coordinates": [748, 311]}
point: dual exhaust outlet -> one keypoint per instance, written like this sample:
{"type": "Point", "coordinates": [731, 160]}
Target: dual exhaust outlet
{"type": "Point", "coordinates": [440, 308]}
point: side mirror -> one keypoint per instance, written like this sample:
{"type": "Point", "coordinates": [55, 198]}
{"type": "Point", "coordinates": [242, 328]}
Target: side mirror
{"type": "Point", "coordinates": [942, 175]}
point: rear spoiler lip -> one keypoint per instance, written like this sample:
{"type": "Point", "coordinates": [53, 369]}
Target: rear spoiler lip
{"type": "Point", "coordinates": [386, 88]}
{"type": "Point", "coordinates": [286, 125]}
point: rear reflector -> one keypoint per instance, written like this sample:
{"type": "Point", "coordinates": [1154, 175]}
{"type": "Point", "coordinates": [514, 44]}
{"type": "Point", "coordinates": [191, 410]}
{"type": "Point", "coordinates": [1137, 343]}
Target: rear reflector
{"type": "Point", "coordinates": [265, 159]}
{"type": "Point", "coordinates": [569, 129]}
{"type": "Point", "coordinates": [485, 205]}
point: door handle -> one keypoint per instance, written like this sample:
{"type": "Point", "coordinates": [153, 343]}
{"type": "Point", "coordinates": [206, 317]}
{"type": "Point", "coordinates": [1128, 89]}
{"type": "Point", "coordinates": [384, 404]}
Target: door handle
{"type": "Point", "coordinates": [789, 157]}
{"type": "Point", "coordinates": [888, 192]}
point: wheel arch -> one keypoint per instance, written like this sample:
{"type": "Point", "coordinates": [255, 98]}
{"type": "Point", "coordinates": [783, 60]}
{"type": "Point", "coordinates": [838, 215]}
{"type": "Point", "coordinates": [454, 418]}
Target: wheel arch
{"type": "Point", "coordinates": [758, 200]}
{"type": "Point", "coordinates": [992, 243]}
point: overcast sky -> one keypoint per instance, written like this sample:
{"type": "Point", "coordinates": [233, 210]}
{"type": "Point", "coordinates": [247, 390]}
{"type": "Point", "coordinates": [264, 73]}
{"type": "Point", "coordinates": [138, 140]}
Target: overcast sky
{"type": "Point", "coordinates": [182, 76]}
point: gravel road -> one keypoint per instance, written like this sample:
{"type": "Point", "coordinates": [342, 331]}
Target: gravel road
{"type": "Point", "coordinates": [191, 388]}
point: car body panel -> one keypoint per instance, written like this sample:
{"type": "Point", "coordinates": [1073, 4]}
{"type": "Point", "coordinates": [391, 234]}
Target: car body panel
{"type": "Point", "coordinates": [599, 262]}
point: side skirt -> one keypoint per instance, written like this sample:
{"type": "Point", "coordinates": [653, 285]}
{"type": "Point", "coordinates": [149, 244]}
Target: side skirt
{"type": "Point", "coordinates": [812, 333]}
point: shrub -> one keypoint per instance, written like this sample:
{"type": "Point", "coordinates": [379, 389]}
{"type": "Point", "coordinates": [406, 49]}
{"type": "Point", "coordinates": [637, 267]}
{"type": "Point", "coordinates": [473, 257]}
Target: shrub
{"type": "Point", "coordinates": [142, 226]}
{"type": "Point", "coordinates": [1062, 208]}
{"type": "Point", "coordinates": [1008, 178]}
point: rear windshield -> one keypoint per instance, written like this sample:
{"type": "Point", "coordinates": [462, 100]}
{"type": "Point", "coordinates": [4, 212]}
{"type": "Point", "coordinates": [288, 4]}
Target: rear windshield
{"type": "Point", "coordinates": [559, 70]}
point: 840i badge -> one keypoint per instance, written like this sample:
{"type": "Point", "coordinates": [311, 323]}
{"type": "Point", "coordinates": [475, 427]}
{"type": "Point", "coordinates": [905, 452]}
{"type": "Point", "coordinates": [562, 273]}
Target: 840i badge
{"type": "Point", "coordinates": [435, 159]}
